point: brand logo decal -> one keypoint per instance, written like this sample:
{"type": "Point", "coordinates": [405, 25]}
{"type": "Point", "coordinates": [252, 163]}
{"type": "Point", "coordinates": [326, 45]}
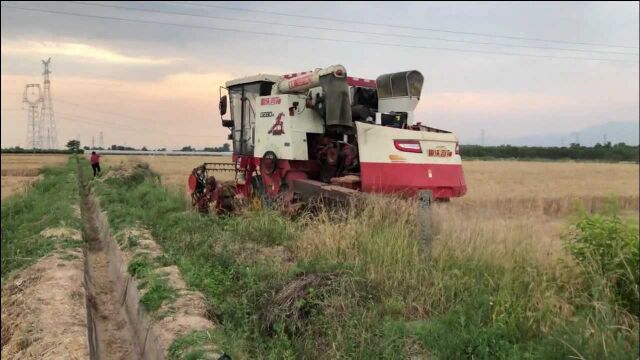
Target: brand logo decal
{"type": "Point", "coordinates": [301, 81]}
{"type": "Point", "coordinates": [277, 128]}
{"type": "Point", "coordinates": [271, 101]}
{"type": "Point", "coordinates": [440, 151]}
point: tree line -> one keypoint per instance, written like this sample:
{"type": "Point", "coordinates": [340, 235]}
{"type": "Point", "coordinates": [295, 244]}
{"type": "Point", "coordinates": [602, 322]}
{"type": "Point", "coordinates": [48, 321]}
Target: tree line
{"type": "Point", "coordinates": [598, 152]}
{"type": "Point", "coordinates": [73, 146]}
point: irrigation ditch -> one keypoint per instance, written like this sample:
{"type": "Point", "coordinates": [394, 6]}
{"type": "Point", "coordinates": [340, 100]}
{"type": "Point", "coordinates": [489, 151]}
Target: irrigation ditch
{"type": "Point", "coordinates": [119, 325]}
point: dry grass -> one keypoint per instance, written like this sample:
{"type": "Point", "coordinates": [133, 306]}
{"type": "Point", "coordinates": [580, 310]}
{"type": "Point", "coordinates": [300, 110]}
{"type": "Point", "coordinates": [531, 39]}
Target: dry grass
{"type": "Point", "coordinates": [510, 208]}
{"type": "Point", "coordinates": [498, 180]}
{"type": "Point", "coordinates": [20, 170]}
{"type": "Point", "coordinates": [173, 170]}
{"type": "Point", "coordinates": [513, 206]}
{"type": "Point", "coordinates": [510, 205]}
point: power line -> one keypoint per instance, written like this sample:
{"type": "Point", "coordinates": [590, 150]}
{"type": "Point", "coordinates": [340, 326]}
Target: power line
{"type": "Point", "coordinates": [110, 113]}
{"type": "Point", "coordinates": [311, 37]}
{"type": "Point", "coordinates": [116, 126]}
{"type": "Point", "coordinates": [402, 26]}
{"type": "Point", "coordinates": [138, 119]}
{"type": "Point", "coordinates": [103, 124]}
{"type": "Point", "coordinates": [350, 31]}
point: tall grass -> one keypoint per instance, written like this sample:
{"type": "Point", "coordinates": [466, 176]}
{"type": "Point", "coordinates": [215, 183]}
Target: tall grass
{"type": "Point", "coordinates": [48, 203]}
{"type": "Point", "coordinates": [482, 294]}
{"type": "Point", "coordinates": [359, 285]}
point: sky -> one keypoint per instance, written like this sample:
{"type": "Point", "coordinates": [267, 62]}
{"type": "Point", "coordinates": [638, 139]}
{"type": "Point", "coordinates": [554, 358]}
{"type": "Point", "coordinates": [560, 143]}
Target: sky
{"type": "Point", "coordinates": [157, 85]}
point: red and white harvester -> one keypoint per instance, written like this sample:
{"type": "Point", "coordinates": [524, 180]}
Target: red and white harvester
{"type": "Point", "coordinates": [323, 133]}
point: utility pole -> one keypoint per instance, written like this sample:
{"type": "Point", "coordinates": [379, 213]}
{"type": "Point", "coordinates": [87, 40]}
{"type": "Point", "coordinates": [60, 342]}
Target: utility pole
{"type": "Point", "coordinates": [101, 141]}
{"type": "Point", "coordinates": [46, 112]}
{"type": "Point", "coordinates": [32, 97]}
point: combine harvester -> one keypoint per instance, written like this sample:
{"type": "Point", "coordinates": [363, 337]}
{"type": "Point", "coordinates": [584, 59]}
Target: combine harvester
{"type": "Point", "coordinates": [323, 133]}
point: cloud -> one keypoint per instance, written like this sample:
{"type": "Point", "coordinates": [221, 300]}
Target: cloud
{"type": "Point", "coordinates": [492, 102]}
{"type": "Point", "coordinates": [154, 113]}
{"type": "Point", "coordinates": [82, 51]}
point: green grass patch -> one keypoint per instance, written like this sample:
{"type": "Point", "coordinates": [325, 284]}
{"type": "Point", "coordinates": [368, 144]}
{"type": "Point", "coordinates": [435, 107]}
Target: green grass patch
{"type": "Point", "coordinates": [159, 292]}
{"type": "Point", "coordinates": [192, 346]}
{"type": "Point", "coordinates": [608, 249]}
{"type": "Point", "coordinates": [48, 203]}
{"type": "Point", "coordinates": [156, 284]}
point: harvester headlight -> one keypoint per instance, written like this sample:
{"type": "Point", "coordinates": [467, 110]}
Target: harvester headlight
{"type": "Point", "coordinates": [408, 145]}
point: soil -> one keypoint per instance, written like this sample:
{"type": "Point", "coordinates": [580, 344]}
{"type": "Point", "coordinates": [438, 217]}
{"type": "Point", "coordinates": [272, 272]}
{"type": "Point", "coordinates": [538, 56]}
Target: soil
{"type": "Point", "coordinates": [43, 310]}
{"type": "Point", "coordinates": [113, 332]}
{"type": "Point", "coordinates": [113, 336]}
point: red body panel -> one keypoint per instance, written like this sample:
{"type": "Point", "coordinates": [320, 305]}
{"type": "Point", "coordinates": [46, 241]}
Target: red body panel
{"type": "Point", "coordinates": [351, 81]}
{"type": "Point", "coordinates": [446, 180]}
{"type": "Point", "coordinates": [245, 165]}
{"type": "Point", "coordinates": [286, 171]}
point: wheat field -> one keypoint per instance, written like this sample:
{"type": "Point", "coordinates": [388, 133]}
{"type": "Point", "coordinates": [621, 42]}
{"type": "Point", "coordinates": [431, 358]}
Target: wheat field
{"type": "Point", "coordinates": [509, 204]}
{"type": "Point", "coordinates": [20, 170]}
{"type": "Point", "coordinates": [486, 180]}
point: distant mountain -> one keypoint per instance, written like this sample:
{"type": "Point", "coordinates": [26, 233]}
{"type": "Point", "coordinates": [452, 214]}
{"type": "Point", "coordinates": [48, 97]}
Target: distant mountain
{"type": "Point", "coordinates": [615, 132]}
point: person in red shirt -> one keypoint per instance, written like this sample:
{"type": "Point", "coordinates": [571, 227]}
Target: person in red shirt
{"type": "Point", "coordinates": [95, 163]}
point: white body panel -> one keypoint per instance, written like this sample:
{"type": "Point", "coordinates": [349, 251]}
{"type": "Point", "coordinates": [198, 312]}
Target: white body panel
{"type": "Point", "coordinates": [254, 78]}
{"type": "Point", "coordinates": [376, 145]}
{"type": "Point", "coordinates": [399, 104]}
{"type": "Point", "coordinates": [307, 81]}
{"type": "Point", "coordinates": [287, 138]}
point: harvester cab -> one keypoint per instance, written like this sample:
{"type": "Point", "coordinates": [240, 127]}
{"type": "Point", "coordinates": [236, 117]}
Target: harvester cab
{"type": "Point", "coordinates": [324, 133]}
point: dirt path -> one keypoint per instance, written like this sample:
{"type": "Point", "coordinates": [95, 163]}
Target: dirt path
{"type": "Point", "coordinates": [43, 310]}
{"type": "Point", "coordinates": [110, 333]}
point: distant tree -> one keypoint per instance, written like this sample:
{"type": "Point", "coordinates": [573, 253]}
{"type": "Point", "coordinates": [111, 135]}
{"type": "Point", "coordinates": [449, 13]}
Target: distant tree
{"type": "Point", "coordinates": [188, 148]}
{"type": "Point", "coordinates": [224, 148]}
{"type": "Point", "coordinates": [144, 148]}
{"type": "Point", "coordinates": [618, 152]}
{"type": "Point", "coordinates": [120, 147]}
{"type": "Point", "coordinates": [73, 146]}
{"type": "Point", "coordinates": [162, 149]}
